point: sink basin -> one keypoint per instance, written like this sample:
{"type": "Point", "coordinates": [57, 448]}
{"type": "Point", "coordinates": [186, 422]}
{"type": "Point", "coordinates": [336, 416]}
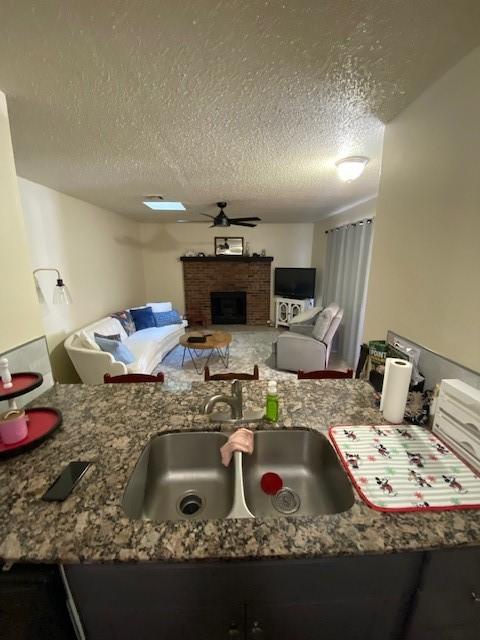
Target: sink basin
{"type": "Point", "coordinates": [180, 476]}
{"type": "Point", "coordinates": [314, 482]}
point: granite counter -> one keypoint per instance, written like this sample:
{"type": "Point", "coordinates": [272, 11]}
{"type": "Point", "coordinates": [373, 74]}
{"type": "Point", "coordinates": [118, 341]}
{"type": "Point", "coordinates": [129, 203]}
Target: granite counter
{"type": "Point", "coordinates": [110, 424]}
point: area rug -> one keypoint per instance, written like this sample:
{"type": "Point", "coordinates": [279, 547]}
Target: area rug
{"type": "Point", "coordinates": [247, 349]}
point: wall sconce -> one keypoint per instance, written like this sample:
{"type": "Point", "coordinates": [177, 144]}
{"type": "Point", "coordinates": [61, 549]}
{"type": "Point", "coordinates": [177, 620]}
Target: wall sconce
{"type": "Point", "coordinates": [61, 294]}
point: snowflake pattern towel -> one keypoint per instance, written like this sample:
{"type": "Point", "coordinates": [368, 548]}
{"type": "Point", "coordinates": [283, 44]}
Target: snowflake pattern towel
{"type": "Point", "coordinates": [405, 468]}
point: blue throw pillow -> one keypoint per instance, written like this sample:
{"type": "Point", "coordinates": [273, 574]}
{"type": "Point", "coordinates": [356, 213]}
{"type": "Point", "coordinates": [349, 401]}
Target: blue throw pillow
{"type": "Point", "coordinates": [118, 350]}
{"type": "Point", "coordinates": [164, 318]}
{"type": "Point", "coordinates": [143, 318]}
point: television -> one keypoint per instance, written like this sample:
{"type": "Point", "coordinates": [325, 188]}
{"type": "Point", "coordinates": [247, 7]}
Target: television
{"type": "Point", "coordinates": [294, 282]}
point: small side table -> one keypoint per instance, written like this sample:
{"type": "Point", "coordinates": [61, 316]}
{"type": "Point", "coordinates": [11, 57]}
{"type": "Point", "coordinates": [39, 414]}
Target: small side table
{"type": "Point", "coordinates": [218, 341]}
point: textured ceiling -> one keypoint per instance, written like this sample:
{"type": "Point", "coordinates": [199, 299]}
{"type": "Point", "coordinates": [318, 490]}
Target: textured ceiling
{"type": "Point", "coordinates": [244, 100]}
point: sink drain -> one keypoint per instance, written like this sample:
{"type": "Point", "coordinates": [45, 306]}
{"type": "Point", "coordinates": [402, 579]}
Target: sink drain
{"type": "Point", "coordinates": [286, 501]}
{"type": "Point", "coordinates": [190, 505]}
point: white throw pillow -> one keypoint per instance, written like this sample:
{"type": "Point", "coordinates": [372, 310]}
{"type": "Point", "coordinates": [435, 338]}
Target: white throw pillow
{"type": "Point", "coordinates": [86, 342]}
{"type": "Point", "coordinates": [159, 307]}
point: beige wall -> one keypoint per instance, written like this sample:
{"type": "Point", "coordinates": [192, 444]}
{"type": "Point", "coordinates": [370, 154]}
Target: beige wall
{"type": "Point", "coordinates": [19, 312]}
{"type": "Point", "coordinates": [98, 255]}
{"type": "Point", "coordinates": [365, 209]}
{"type": "Point", "coordinates": [425, 273]}
{"type": "Point", "coordinates": [163, 244]}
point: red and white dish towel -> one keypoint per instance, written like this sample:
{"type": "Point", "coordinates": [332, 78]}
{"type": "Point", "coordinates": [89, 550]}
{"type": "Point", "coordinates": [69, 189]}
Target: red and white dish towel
{"type": "Point", "coordinates": [405, 468]}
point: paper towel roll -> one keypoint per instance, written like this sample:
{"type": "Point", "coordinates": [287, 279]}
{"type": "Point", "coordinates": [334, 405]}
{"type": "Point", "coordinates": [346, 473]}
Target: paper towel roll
{"type": "Point", "coordinates": [395, 389]}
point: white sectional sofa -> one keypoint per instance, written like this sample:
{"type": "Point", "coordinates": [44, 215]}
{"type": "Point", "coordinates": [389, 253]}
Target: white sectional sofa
{"type": "Point", "coordinates": [148, 346]}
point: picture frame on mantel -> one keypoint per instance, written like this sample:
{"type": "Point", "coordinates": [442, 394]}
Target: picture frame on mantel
{"type": "Point", "coordinates": [228, 246]}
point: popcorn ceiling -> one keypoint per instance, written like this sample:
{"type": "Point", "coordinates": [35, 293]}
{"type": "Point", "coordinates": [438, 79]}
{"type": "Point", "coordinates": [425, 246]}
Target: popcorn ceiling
{"type": "Point", "coordinates": [251, 102]}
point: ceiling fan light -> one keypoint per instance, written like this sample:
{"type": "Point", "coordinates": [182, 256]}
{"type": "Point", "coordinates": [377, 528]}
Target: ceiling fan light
{"type": "Point", "coordinates": [222, 220]}
{"type": "Point", "coordinates": [351, 168]}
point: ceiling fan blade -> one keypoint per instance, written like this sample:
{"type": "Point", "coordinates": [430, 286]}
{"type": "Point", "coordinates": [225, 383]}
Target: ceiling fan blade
{"type": "Point", "coordinates": [242, 224]}
{"type": "Point", "coordinates": [246, 219]}
{"type": "Point", "coordinates": [208, 215]}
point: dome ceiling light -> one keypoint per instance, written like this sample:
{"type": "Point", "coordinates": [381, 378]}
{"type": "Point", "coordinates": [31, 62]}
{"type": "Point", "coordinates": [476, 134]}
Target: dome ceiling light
{"type": "Point", "coordinates": [351, 168]}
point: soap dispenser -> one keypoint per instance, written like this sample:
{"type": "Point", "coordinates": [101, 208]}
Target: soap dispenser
{"type": "Point", "coordinates": [271, 409]}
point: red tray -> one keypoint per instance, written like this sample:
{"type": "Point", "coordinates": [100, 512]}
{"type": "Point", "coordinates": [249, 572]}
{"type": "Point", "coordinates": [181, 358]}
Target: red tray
{"type": "Point", "coordinates": [23, 382]}
{"type": "Point", "coordinates": [42, 422]}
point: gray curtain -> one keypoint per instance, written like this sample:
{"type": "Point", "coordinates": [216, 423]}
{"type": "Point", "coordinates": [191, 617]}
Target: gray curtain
{"type": "Point", "coordinates": [345, 282]}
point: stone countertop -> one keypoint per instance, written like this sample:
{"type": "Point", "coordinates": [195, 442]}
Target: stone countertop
{"type": "Point", "coordinates": [111, 424]}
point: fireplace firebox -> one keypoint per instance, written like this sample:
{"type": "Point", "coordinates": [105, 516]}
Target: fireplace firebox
{"type": "Point", "coordinates": [228, 307]}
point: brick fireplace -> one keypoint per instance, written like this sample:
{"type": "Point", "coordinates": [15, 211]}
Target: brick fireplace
{"type": "Point", "coordinates": [204, 276]}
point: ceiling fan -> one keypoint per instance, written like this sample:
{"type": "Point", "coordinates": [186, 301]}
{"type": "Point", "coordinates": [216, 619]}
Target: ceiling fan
{"type": "Point", "coordinates": [221, 219]}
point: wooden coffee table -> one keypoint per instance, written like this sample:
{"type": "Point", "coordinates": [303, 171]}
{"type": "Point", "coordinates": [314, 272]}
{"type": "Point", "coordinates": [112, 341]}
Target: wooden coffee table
{"type": "Point", "coordinates": [218, 341]}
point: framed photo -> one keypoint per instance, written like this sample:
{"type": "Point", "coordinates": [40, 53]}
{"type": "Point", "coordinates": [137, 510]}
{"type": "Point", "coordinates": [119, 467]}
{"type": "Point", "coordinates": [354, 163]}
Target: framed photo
{"type": "Point", "coordinates": [225, 246]}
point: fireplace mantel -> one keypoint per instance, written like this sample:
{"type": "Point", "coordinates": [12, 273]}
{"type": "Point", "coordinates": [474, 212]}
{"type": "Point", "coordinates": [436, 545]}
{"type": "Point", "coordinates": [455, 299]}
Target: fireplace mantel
{"type": "Point", "coordinates": [226, 258]}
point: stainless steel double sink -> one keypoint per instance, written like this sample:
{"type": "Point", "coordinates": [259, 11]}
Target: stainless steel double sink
{"type": "Point", "coordinates": [179, 476]}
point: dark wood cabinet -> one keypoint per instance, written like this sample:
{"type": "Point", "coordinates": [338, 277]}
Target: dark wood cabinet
{"type": "Point", "coordinates": [351, 598]}
{"type": "Point", "coordinates": [354, 620]}
{"type": "Point", "coordinates": [155, 622]}
{"type": "Point", "coordinates": [447, 603]}
{"type": "Point", "coordinates": [32, 604]}
{"type": "Point", "coordinates": [157, 602]}
{"type": "Point", "coordinates": [416, 596]}
{"type": "Point", "coordinates": [348, 598]}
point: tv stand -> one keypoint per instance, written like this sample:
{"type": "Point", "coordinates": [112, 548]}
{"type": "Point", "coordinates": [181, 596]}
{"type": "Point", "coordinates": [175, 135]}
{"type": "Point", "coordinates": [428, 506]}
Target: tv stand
{"type": "Point", "coordinates": [287, 308]}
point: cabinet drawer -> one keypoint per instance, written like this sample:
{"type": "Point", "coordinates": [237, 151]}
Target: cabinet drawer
{"type": "Point", "coordinates": [456, 632]}
{"type": "Point", "coordinates": [336, 620]}
{"type": "Point", "coordinates": [460, 437]}
{"type": "Point", "coordinates": [445, 608]}
{"type": "Point", "coordinates": [453, 572]}
{"type": "Point", "coordinates": [441, 611]}
{"type": "Point", "coordinates": [169, 584]}
{"type": "Point", "coordinates": [325, 580]}
{"type": "Point", "coordinates": [156, 623]}
{"type": "Point", "coordinates": [461, 410]}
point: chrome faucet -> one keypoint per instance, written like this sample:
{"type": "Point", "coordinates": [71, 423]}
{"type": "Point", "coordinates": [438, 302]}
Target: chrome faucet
{"type": "Point", "coordinates": [235, 401]}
